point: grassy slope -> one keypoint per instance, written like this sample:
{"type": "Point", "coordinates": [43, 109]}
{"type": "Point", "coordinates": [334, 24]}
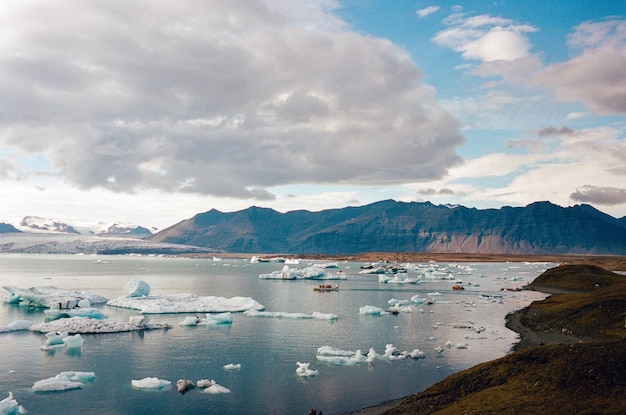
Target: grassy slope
{"type": "Point", "coordinates": [582, 372]}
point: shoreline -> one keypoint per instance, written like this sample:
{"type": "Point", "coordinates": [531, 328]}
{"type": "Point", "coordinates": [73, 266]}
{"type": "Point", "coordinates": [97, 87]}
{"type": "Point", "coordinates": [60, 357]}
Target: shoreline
{"type": "Point", "coordinates": [529, 340]}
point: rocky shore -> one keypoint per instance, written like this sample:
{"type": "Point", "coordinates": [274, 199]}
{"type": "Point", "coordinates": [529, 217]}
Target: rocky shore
{"type": "Point", "coordinates": [571, 358]}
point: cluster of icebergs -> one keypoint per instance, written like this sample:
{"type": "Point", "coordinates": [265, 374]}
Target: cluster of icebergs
{"type": "Point", "coordinates": [339, 357]}
{"type": "Point", "coordinates": [182, 385]}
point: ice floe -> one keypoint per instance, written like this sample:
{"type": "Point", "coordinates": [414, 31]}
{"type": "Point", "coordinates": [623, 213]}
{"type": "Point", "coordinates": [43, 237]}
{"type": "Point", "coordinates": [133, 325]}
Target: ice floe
{"type": "Point", "coordinates": [209, 320]}
{"type": "Point", "coordinates": [90, 312]}
{"type": "Point", "coordinates": [339, 357]}
{"type": "Point", "coordinates": [50, 297]}
{"type": "Point", "coordinates": [16, 325]}
{"type": "Point", "coordinates": [87, 325]}
{"type": "Point", "coordinates": [283, 314]}
{"type": "Point", "coordinates": [150, 383]}
{"type": "Point", "coordinates": [137, 288]}
{"type": "Point", "coordinates": [9, 406]}
{"type": "Point", "coordinates": [310, 273]}
{"type": "Point", "coordinates": [232, 366]}
{"type": "Point", "coordinates": [304, 371]}
{"type": "Point", "coordinates": [185, 303]}
{"type": "Point", "coordinates": [64, 381]}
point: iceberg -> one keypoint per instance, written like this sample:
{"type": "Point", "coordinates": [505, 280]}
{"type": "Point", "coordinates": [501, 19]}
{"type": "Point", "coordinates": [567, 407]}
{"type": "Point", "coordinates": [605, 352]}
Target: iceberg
{"type": "Point", "coordinates": [87, 325]}
{"type": "Point", "coordinates": [74, 342]}
{"type": "Point", "coordinates": [150, 383]}
{"type": "Point", "coordinates": [283, 314]}
{"type": "Point", "coordinates": [56, 313]}
{"type": "Point", "coordinates": [303, 370]}
{"type": "Point", "coordinates": [16, 325]}
{"type": "Point", "coordinates": [399, 278]}
{"type": "Point", "coordinates": [210, 320]}
{"type": "Point", "coordinates": [371, 310]}
{"type": "Point", "coordinates": [232, 366]}
{"type": "Point", "coordinates": [64, 381]}
{"type": "Point", "coordinates": [185, 303]}
{"type": "Point", "coordinates": [216, 389]}
{"type": "Point", "coordinates": [9, 406]}
{"type": "Point", "coordinates": [50, 297]}
{"type": "Point", "coordinates": [307, 273]}
{"type": "Point", "coordinates": [137, 288]}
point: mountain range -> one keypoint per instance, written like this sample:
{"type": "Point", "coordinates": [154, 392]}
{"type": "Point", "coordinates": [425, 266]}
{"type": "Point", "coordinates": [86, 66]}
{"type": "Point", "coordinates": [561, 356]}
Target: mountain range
{"type": "Point", "coordinates": [391, 226]}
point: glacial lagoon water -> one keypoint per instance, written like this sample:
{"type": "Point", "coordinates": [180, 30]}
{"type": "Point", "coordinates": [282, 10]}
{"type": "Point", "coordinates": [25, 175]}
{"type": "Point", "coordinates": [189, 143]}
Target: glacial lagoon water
{"type": "Point", "coordinates": [267, 349]}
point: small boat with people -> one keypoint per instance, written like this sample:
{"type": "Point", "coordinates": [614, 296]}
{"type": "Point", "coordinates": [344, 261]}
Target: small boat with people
{"type": "Point", "coordinates": [326, 287]}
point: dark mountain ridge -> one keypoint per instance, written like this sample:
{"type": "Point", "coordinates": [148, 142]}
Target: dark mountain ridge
{"type": "Point", "coordinates": [390, 226]}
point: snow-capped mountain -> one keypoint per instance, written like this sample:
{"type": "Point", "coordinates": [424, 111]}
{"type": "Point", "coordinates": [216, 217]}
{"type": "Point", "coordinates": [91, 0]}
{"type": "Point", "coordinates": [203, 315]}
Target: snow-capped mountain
{"type": "Point", "coordinates": [43, 225]}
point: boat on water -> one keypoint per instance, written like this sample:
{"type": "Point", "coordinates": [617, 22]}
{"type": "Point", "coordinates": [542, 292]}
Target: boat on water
{"type": "Point", "coordinates": [326, 287]}
{"type": "Point", "coordinates": [458, 287]}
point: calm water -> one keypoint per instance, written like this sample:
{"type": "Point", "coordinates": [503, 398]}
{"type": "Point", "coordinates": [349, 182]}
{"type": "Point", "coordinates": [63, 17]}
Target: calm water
{"type": "Point", "coordinates": [266, 348]}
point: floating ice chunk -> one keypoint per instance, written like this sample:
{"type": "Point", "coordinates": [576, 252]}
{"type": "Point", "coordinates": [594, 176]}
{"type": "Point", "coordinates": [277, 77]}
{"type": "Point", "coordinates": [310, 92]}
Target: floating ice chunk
{"type": "Point", "coordinates": [220, 318]}
{"type": "Point", "coordinates": [60, 382]}
{"type": "Point", "coordinates": [333, 351]}
{"type": "Point", "coordinates": [150, 383]}
{"type": "Point", "coordinates": [9, 406]}
{"type": "Point", "coordinates": [303, 370]}
{"type": "Point", "coordinates": [417, 354]}
{"type": "Point", "coordinates": [84, 303]}
{"type": "Point", "coordinates": [56, 313]}
{"type": "Point", "coordinates": [138, 321]}
{"type": "Point", "coordinates": [82, 377]}
{"type": "Point", "coordinates": [16, 325]}
{"type": "Point", "coordinates": [371, 310]}
{"type": "Point", "coordinates": [311, 273]}
{"type": "Point", "coordinates": [324, 316]}
{"type": "Point", "coordinates": [216, 389]}
{"type": "Point", "coordinates": [435, 294]}
{"type": "Point", "coordinates": [461, 345]}
{"type": "Point", "coordinates": [416, 299]}
{"type": "Point", "coordinates": [232, 366]}
{"type": "Point", "coordinates": [205, 383]}
{"type": "Point", "coordinates": [399, 278]}
{"type": "Point", "coordinates": [184, 385]}
{"type": "Point", "coordinates": [190, 321]}
{"type": "Point", "coordinates": [439, 349]}
{"type": "Point", "coordinates": [56, 337]}
{"type": "Point", "coordinates": [372, 355]}
{"type": "Point", "coordinates": [50, 297]}
{"type": "Point", "coordinates": [185, 303]}
{"type": "Point", "coordinates": [88, 325]}
{"type": "Point", "coordinates": [74, 342]}
{"type": "Point", "coordinates": [137, 288]}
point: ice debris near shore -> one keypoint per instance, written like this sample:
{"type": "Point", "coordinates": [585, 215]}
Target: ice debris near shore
{"type": "Point", "coordinates": [9, 406]}
{"type": "Point", "coordinates": [179, 303]}
{"type": "Point", "coordinates": [307, 273]}
{"type": "Point", "coordinates": [82, 325]}
{"type": "Point", "coordinates": [283, 314]}
{"type": "Point", "coordinates": [50, 297]}
{"type": "Point", "coordinates": [339, 357]}
{"type": "Point", "coordinates": [64, 381]}
{"type": "Point", "coordinates": [16, 325]}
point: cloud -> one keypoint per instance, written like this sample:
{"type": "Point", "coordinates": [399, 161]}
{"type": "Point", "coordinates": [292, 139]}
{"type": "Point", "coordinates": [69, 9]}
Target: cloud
{"type": "Point", "coordinates": [427, 11]}
{"type": "Point", "coordinates": [228, 99]}
{"type": "Point", "coordinates": [591, 76]}
{"type": "Point", "coordinates": [552, 131]}
{"type": "Point", "coordinates": [485, 38]}
{"type": "Point", "coordinates": [434, 192]}
{"type": "Point", "coordinates": [600, 195]}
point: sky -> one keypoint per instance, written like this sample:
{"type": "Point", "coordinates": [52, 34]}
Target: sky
{"type": "Point", "coordinates": [148, 112]}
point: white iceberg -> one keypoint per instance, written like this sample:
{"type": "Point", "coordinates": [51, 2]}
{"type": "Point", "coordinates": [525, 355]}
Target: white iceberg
{"type": "Point", "coordinates": [209, 320]}
{"type": "Point", "coordinates": [283, 314]}
{"type": "Point", "coordinates": [310, 273]}
{"type": "Point", "coordinates": [64, 381]}
{"type": "Point", "coordinates": [137, 288]}
{"type": "Point", "coordinates": [232, 366]}
{"type": "Point", "coordinates": [303, 370]}
{"type": "Point", "coordinates": [87, 325]}
{"type": "Point", "coordinates": [339, 357]}
{"type": "Point", "coordinates": [89, 312]}
{"type": "Point", "coordinates": [216, 389]}
{"type": "Point", "coordinates": [50, 297]}
{"type": "Point", "coordinates": [399, 278]}
{"type": "Point", "coordinates": [9, 406]}
{"type": "Point", "coordinates": [150, 383]}
{"type": "Point", "coordinates": [371, 310]}
{"type": "Point", "coordinates": [74, 342]}
{"type": "Point", "coordinates": [16, 325]}
{"type": "Point", "coordinates": [185, 303]}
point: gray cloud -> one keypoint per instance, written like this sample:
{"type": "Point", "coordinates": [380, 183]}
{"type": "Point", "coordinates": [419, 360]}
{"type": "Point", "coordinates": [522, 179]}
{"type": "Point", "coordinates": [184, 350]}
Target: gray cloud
{"type": "Point", "coordinates": [222, 98]}
{"type": "Point", "coordinates": [552, 131]}
{"type": "Point", "coordinates": [432, 192]}
{"type": "Point", "coordinates": [600, 195]}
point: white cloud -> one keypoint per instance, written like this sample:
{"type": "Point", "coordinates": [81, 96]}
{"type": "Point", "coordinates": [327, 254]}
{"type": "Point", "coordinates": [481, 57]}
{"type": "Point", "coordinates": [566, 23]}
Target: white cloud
{"type": "Point", "coordinates": [485, 38]}
{"type": "Point", "coordinates": [227, 99]}
{"type": "Point", "coordinates": [427, 11]}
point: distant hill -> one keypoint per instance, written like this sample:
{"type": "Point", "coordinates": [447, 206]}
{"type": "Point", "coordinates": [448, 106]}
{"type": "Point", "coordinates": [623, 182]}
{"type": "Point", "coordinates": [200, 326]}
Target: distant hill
{"type": "Point", "coordinates": [7, 228]}
{"type": "Point", "coordinates": [390, 226]}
